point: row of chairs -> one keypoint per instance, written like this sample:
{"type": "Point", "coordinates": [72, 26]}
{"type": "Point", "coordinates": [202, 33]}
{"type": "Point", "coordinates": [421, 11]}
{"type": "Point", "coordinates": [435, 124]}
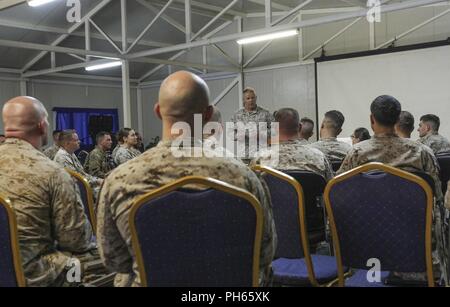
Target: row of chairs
{"type": "Point", "coordinates": [224, 220]}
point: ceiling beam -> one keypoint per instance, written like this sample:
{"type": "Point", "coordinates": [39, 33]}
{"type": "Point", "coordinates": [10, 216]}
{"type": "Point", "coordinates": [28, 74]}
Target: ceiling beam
{"type": "Point", "coordinates": [56, 42]}
{"type": "Point", "coordinates": [301, 24]}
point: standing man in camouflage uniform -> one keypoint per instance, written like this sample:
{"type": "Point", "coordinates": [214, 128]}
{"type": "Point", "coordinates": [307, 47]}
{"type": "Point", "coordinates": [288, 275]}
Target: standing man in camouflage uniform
{"type": "Point", "coordinates": [251, 113]}
{"type": "Point", "coordinates": [66, 156]}
{"type": "Point", "coordinates": [52, 150]}
{"type": "Point", "coordinates": [429, 134]}
{"type": "Point", "coordinates": [182, 95]}
{"type": "Point", "coordinates": [292, 154]}
{"type": "Point", "coordinates": [331, 127]}
{"type": "Point", "coordinates": [99, 163]}
{"type": "Point", "coordinates": [51, 223]}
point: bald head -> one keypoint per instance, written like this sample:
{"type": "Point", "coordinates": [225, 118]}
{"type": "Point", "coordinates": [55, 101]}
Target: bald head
{"type": "Point", "coordinates": [182, 95]}
{"type": "Point", "coordinates": [25, 118]}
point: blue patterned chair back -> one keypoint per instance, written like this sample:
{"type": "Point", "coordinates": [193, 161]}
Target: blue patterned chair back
{"type": "Point", "coordinates": [286, 215]}
{"type": "Point", "coordinates": [11, 273]}
{"type": "Point", "coordinates": [87, 197]}
{"type": "Point", "coordinates": [444, 174]}
{"type": "Point", "coordinates": [201, 238]}
{"type": "Point", "coordinates": [313, 186]}
{"type": "Point", "coordinates": [384, 215]}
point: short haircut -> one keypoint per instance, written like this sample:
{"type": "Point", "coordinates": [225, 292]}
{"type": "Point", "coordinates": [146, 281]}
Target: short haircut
{"type": "Point", "coordinates": [386, 110]}
{"type": "Point", "coordinates": [123, 133]}
{"type": "Point", "coordinates": [288, 119]}
{"type": "Point", "coordinates": [335, 119]}
{"type": "Point", "coordinates": [249, 90]}
{"type": "Point", "coordinates": [2, 136]}
{"type": "Point", "coordinates": [362, 134]}
{"type": "Point", "coordinates": [99, 137]}
{"type": "Point", "coordinates": [406, 122]}
{"type": "Point", "coordinates": [432, 120]}
{"type": "Point", "coordinates": [66, 136]}
{"type": "Point", "coordinates": [56, 132]}
{"type": "Point", "coordinates": [307, 120]}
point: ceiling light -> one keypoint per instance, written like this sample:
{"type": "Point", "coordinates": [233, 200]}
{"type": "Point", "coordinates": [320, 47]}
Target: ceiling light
{"type": "Point", "coordinates": [38, 2]}
{"type": "Point", "coordinates": [267, 37]}
{"type": "Point", "coordinates": [104, 66]}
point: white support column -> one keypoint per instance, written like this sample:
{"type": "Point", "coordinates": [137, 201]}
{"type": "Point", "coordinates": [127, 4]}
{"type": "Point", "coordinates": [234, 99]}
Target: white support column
{"type": "Point", "coordinates": [241, 80]}
{"type": "Point", "coordinates": [126, 93]}
{"type": "Point", "coordinates": [301, 51]}
{"type": "Point", "coordinates": [123, 12]}
{"type": "Point", "coordinates": [372, 41]}
{"type": "Point", "coordinates": [205, 58]}
{"type": "Point", "coordinates": [188, 14]}
{"type": "Point", "coordinates": [268, 5]}
{"type": "Point", "coordinates": [53, 59]}
{"type": "Point", "coordinates": [87, 38]}
{"type": "Point", "coordinates": [140, 111]}
{"type": "Point", "coordinates": [23, 88]}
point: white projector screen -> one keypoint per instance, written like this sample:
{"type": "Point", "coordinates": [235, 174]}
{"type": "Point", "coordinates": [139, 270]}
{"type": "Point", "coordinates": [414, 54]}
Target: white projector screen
{"type": "Point", "coordinates": [419, 79]}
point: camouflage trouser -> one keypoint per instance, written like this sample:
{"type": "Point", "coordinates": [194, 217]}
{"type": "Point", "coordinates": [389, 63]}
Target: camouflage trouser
{"type": "Point", "coordinates": [93, 272]}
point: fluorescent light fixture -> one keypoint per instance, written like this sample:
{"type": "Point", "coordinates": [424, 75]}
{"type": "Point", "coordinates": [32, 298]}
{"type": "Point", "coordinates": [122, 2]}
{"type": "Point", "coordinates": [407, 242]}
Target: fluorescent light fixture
{"type": "Point", "coordinates": [38, 2]}
{"type": "Point", "coordinates": [267, 37]}
{"type": "Point", "coordinates": [104, 66]}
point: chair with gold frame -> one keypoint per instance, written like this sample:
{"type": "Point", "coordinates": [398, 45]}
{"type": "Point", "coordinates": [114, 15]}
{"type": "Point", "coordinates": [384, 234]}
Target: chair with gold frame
{"type": "Point", "coordinates": [293, 264]}
{"type": "Point", "coordinates": [11, 271]}
{"type": "Point", "coordinates": [87, 197]}
{"type": "Point", "coordinates": [382, 216]}
{"type": "Point", "coordinates": [197, 232]}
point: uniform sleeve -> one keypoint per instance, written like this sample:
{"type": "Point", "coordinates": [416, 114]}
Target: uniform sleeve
{"type": "Point", "coordinates": [122, 157]}
{"type": "Point", "coordinates": [94, 166]}
{"type": "Point", "coordinates": [71, 227]}
{"type": "Point", "coordinates": [431, 167]}
{"type": "Point", "coordinates": [112, 247]}
{"type": "Point", "coordinates": [349, 163]}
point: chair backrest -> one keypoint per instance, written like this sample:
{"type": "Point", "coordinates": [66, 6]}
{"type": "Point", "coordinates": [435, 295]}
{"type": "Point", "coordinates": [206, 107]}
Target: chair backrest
{"type": "Point", "coordinates": [289, 215]}
{"type": "Point", "coordinates": [313, 187]}
{"type": "Point", "coordinates": [384, 215]}
{"type": "Point", "coordinates": [87, 197]}
{"type": "Point", "coordinates": [197, 238]}
{"type": "Point", "coordinates": [336, 164]}
{"type": "Point", "coordinates": [82, 156]}
{"type": "Point", "coordinates": [444, 174]}
{"type": "Point", "coordinates": [11, 272]}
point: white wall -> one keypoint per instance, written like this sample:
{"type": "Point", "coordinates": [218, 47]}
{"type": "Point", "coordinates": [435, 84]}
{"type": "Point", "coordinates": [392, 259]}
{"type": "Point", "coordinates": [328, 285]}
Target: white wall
{"type": "Point", "coordinates": [8, 90]}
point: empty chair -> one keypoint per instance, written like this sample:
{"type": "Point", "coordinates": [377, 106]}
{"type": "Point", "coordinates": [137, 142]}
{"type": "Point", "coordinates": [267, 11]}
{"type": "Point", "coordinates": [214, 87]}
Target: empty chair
{"type": "Point", "coordinates": [87, 197]}
{"type": "Point", "coordinates": [383, 216]}
{"type": "Point", "coordinates": [197, 238]}
{"type": "Point", "coordinates": [293, 264]}
{"type": "Point", "coordinates": [11, 272]}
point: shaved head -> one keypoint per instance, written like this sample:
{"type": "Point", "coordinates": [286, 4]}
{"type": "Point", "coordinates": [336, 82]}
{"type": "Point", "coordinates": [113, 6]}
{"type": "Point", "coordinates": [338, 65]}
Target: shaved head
{"type": "Point", "coordinates": [26, 118]}
{"type": "Point", "coordinates": [182, 95]}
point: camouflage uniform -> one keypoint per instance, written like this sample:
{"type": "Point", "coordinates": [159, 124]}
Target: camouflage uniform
{"type": "Point", "coordinates": [303, 142]}
{"type": "Point", "coordinates": [51, 151]}
{"type": "Point", "coordinates": [397, 152]}
{"type": "Point", "coordinates": [71, 162]}
{"type": "Point", "coordinates": [98, 164]}
{"type": "Point", "coordinates": [295, 156]}
{"type": "Point", "coordinates": [153, 169]}
{"type": "Point", "coordinates": [333, 149]}
{"type": "Point", "coordinates": [260, 115]}
{"type": "Point", "coordinates": [51, 223]}
{"type": "Point", "coordinates": [436, 142]}
{"type": "Point", "coordinates": [124, 155]}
